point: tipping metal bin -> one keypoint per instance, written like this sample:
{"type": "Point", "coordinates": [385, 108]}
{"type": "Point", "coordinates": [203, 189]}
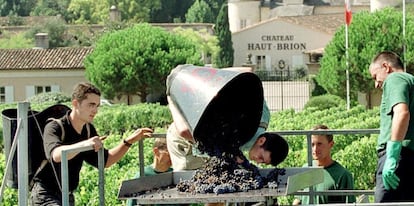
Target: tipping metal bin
{"type": "Point", "coordinates": [219, 105]}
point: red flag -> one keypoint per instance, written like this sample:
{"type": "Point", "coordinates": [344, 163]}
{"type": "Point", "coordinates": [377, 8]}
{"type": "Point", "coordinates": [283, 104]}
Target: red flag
{"type": "Point", "coordinates": [348, 12]}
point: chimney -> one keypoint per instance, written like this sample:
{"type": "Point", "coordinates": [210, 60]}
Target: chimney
{"type": "Point", "coordinates": [114, 14]}
{"type": "Point", "coordinates": [41, 41]}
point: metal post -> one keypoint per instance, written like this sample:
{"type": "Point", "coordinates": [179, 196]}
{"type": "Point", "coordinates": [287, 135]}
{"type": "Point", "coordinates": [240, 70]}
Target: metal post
{"type": "Point", "coordinates": [8, 170]}
{"type": "Point", "coordinates": [310, 164]}
{"type": "Point", "coordinates": [101, 167]}
{"type": "Point", "coordinates": [281, 88]}
{"type": "Point", "coordinates": [141, 158]}
{"type": "Point", "coordinates": [309, 147]}
{"type": "Point", "coordinates": [65, 178]}
{"type": "Point", "coordinates": [65, 173]}
{"type": "Point", "coordinates": [22, 154]}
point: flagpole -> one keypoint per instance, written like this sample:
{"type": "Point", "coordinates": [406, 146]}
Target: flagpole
{"type": "Point", "coordinates": [404, 41]}
{"type": "Point", "coordinates": [347, 69]}
{"type": "Point", "coordinates": [348, 17]}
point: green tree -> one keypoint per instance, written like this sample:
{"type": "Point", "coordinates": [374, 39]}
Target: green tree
{"type": "Point", "coordinates": [51, 8]}
{"type": "Point", "coordinates": [13, 41]}
{"type": "Point", "coordinates": [369, 33]}
{"type": "Point", "coordinates": [225, 56]}
{"type": "Point", "coordinates": [137, 60]}
{"type": "Point", "coordinates": [56, 29]}
{"type": "Point", "coordinates": [14, 20]}
{"type": "Point", "coordinates": [89, 11]}
{"type": "Point", "coordinates": [170, 11]}
{"type": "Point", "coordinates": [215, 6]}
{"type": "Point", "coordinates": [136, 10]}
{"type": "Point", "coordinates": [16, 7]}
{"type": "Point", "coordinates": [205, 42]}
{"type": "Point", "coordinates": [199, 12]}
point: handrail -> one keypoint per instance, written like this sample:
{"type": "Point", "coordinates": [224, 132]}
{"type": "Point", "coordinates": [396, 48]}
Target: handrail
{"type": "Point", "coordinates": [65, 173]}
{"type": "Point", "coordinates": [337, 192]}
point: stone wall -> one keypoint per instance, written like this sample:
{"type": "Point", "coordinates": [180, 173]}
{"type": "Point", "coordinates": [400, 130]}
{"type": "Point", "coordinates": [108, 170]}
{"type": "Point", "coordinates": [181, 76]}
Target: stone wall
{"type": "Point", "coordinates": [25, 21]}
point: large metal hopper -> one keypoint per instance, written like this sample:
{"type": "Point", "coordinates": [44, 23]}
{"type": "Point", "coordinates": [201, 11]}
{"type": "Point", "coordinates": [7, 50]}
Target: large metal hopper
{"type": "Point", "coordinates": [160, 189]}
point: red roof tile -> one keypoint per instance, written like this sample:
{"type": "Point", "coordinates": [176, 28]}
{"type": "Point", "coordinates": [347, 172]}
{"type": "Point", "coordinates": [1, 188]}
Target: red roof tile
{"type": "Point", "coordinates": [327, 23]}
{"type": "Point", "coordinates": [56, 58]}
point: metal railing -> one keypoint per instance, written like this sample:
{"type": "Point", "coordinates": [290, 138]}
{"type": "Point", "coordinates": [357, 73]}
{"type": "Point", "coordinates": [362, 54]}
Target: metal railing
{"type": "Point", "coordinates": [65, 173]}
{"type": "Point", "coordinates": [308, 134]}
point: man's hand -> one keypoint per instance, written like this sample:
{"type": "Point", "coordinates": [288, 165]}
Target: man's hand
{"type": "Point", "coordinates": [390, 179]}
{"type": "Point", "coordinates": [96, 142]}
{"type": "Point", "coordinates": [139, 134]}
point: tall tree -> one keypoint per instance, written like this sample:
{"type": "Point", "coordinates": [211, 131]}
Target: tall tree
{"type": "Point", "coordinates": [136, 10]}
{"type": "Point", "coordinates": [199, 12]}
{"type": "Point", "coordinates": [170, 11]}
{"type": "Point", "coordinates": [205, 42]}
{"type": "Point", "coordinates": [215, 6]}
{"type": "Point", "coordinates": [369, 33]}
{"type": "Point", "coordinates": [225, 56]}
{"type": "Point", "coordinates": [14, 41]}
{"type": "Point", "coordinates": [56, 29]}
{"type": "Point", "coordinates": [89, 11]}
{"type": "Point", "coordinates": [51, 8]}
{"type": "Point", "coordinates": [16, 7]}
{"type": "Point", "coordinates": [181, 9]}
{"type": "Point", "coordinates": [137, 60]}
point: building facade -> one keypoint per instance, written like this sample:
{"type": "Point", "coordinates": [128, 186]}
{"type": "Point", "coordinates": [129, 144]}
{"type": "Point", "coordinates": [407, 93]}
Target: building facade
{"type": "Point", "coordinates": [285, 36]}
{"type": "Point", "coordinates": [281, 35]}
{"type": "Point", "coordinates": [27, 72]}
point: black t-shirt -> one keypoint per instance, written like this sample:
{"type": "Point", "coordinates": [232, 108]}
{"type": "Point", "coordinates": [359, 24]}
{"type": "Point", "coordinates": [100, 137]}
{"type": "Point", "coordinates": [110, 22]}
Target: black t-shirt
{"type": "Point", "coordinates": [52, 139]}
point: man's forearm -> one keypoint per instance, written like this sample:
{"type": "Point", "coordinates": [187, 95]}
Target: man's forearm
{"type": "Point", "coordinates": [400, 121]}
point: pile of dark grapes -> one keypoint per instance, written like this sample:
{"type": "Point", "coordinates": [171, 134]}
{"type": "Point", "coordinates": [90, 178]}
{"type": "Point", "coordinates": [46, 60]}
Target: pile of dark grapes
{"type": "Point", "coordinates": [222, 174]}
{"type": "Point", "coordinates": [272, 178]}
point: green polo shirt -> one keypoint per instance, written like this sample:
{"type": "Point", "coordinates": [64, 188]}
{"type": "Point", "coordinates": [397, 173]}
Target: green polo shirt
{"type": "Point", "coordinates": [336, 177]}
{"type": "Point", "coordinates": [398, 88]}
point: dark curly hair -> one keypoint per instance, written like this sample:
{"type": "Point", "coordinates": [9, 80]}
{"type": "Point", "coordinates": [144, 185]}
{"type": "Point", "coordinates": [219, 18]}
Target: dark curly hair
{"type": "Point", "coordinates": [277, 145]}
{"type": "Point", "coordinates": [82, 89]}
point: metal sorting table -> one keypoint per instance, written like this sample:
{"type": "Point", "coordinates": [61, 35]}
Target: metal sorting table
{"type": "Point", "coordinates": [160, 189]}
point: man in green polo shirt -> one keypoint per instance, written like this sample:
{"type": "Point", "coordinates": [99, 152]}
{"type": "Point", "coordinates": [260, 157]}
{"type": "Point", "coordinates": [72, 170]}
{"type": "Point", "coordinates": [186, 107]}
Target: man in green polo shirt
{"type": "Point", "coordinates": [336, 177]}
{"type": "Point", "coordinates": [395, 148]}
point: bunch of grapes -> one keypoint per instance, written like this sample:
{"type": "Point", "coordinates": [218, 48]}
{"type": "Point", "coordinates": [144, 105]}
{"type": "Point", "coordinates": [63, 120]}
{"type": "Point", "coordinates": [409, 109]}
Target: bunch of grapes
{"type": "Point", "coordinates": [222, 174]}
{"type": "Point", "coordinates": [272, 178]}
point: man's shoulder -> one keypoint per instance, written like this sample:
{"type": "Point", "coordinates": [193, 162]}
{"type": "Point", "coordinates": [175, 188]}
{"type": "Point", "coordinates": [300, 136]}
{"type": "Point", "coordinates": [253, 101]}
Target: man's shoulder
{"type": "Point", "coordinates": [338, 170]}
{"type": "Point", "coordinates": [398, 77]}
{"type": "Point", "coordinates": [63, 120]}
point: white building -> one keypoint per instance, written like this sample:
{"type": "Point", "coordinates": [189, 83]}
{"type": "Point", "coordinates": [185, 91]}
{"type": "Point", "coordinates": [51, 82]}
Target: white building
{"type": "Point", "coordinates": [281, 34]}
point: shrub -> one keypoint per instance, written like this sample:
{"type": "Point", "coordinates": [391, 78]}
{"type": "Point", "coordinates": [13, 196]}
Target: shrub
{"type": "Point", "coordinates": [15, 20]}
{"type": "Point", "coordinates": [361, 159]}
{"type": "Point", "coordinates": [318, 89]}
{"type": "Point", "coordinates": [50, 97]}
{"type": "Point", "coordinates": [325, 102]}
{"type": "Point", "coordinates": [119, 118]}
